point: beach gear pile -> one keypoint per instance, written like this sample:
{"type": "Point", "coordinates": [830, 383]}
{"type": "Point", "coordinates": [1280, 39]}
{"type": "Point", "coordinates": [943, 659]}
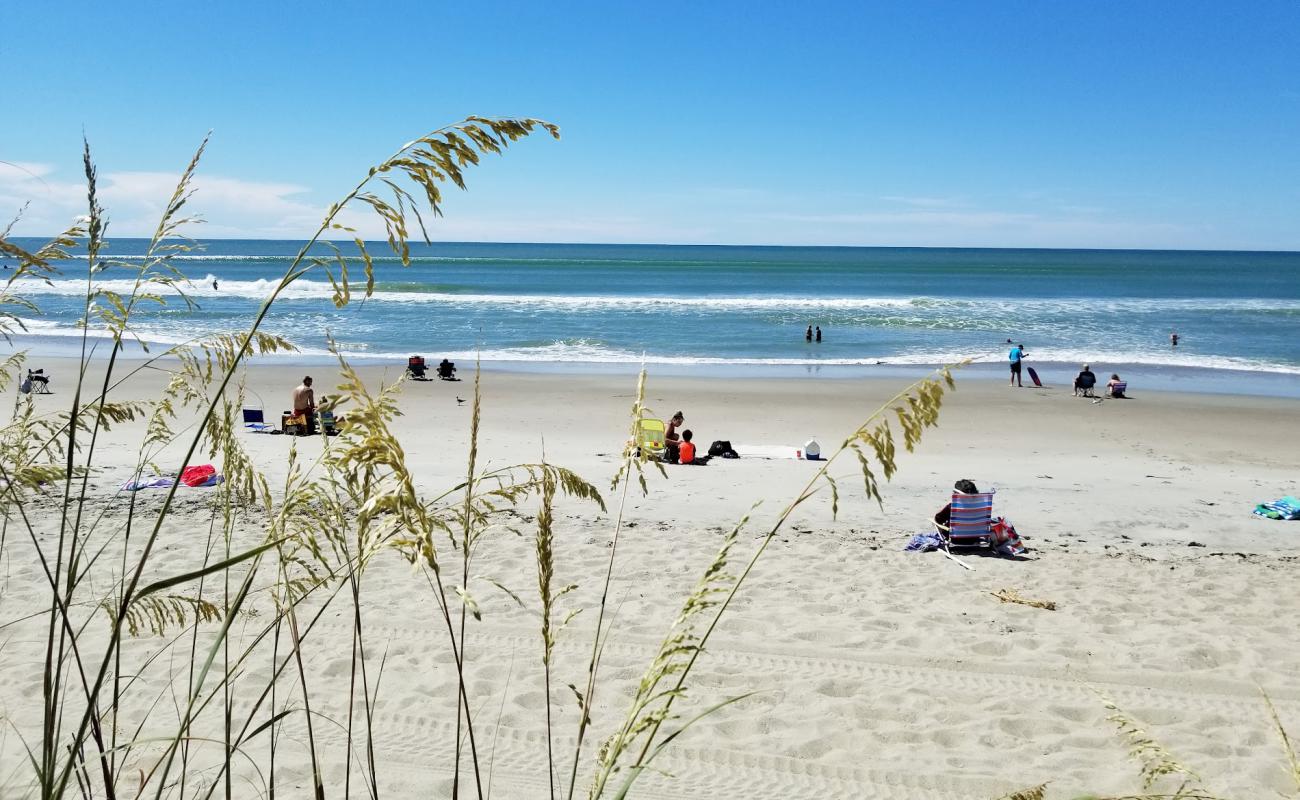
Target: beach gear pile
{"type": "Point", "coordinates": [1004, 541]}
{"type": "Point", "coordinates": [197, 476]}
{"type": "Point", "coordinates": [1283, 508]}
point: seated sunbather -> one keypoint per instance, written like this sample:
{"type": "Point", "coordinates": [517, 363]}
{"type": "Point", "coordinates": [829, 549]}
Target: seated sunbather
{"type": "Point", "coordinates": [1084, 381]}
{"type": "Point", "coordinates": [447, 370]}
{"type": "Point", "coordinates": [945, 514]}
{"type": "Point", "coordinates": [671, 438]}
{"type": "Point", "coordinates": [1115, 387]}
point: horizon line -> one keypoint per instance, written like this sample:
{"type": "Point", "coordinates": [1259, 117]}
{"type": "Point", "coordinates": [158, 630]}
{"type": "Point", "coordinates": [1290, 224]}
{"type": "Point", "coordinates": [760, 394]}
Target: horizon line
{"type": "Point", "coordinates": [384, 243]}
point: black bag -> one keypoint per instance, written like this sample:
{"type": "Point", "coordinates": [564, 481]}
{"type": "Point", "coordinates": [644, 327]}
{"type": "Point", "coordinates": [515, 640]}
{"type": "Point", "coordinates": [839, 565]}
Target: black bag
{"type": "Point", "coordinates": [722, 448]}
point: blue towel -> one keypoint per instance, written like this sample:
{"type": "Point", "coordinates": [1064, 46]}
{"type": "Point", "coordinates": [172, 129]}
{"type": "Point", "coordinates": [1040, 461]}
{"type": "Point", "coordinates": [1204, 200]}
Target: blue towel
{"type": "Point", "coordinates": [925, 542]}
{"type": "Point", "coordinates": [1284, 508]}
{"type": "Point", "coordinates": [148, 482]}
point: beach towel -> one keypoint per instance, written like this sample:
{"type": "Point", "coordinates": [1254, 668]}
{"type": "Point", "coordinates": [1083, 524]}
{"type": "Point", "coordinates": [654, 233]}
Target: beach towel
{"type": "Point", "coordinates": [200, 475]}
{"type": "Point", "coordinates": [148, 482]}
{"type": "Point", "coordinates": [259, 427]}
{"type": "Point", "coordinates": [1283, 508]}
{"type": "Point", "coordinates": [770, 451]}
{"type": "Point", "coordinates": [925, 542]}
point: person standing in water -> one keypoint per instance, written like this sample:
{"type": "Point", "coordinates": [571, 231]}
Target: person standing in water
{"type": "Point", "coordinates": [819, 333]}
{"type": "Point", "coordinates": [214, 284]}
{"type": "Point", "coordinates": [1173, 338]}
{"type": "Point", "coordinates": [807, 335]}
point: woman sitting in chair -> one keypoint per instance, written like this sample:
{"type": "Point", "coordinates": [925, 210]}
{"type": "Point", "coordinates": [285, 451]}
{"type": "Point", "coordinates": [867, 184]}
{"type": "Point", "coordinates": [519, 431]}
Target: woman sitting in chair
{"type": "Point", "coordinates": [1116, 387]}
{"type": "Point", "coordinates": [945, 514]}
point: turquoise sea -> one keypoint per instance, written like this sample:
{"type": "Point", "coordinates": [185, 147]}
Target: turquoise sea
{"type": "Point", "coordinates": [745, 309]}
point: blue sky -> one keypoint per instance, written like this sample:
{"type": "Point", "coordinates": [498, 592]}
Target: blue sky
{"type": "Point", "coordinates": [1101, 124]}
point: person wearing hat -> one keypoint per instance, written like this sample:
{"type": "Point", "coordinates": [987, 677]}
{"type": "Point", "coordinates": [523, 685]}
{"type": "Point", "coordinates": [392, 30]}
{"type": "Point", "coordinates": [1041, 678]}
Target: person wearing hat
{"type": "Point", "coordinates": [1084, 381]}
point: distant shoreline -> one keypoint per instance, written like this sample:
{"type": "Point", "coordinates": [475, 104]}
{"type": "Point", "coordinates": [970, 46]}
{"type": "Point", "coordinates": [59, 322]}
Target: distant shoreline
{"type": "Point", "coordinates": [1056, 376]}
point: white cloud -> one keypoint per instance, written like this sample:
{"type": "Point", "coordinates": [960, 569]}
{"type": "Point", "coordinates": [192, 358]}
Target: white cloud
{"type": "Point", "coordinates": [237, 208]}
{"type": "Point", "coordinates": [135, 201]}
{"type": "Point", "coordinates": [23, 170]}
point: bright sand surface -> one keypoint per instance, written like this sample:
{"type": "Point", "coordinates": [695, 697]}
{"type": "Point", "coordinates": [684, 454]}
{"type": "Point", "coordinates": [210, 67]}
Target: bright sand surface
{"type": "Point", "coordinates": [878, 673]}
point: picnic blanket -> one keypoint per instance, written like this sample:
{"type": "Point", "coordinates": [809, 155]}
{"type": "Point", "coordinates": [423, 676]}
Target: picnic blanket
{"type": "Point", "coordinates": [1283, 508]}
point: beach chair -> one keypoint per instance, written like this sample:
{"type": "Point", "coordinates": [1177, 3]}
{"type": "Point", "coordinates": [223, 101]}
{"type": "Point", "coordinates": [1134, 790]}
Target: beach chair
{"type": "Point", "coordinates": [969, 521]}
{"type": "Point", "coordinates": [328, 423]}
{"type": "Point", "coordinates": [255, 421]}
{"type": "Point", "coordinates": [651, 437]}
{"type": "Point", "coordinates": [416, 368]}
{"type": "Point", "coordinates": [1118, 389]}
{"type": "Point", "coordinates": [37, 382]}
{"type": "Point", "coordinates": [1083, 385]}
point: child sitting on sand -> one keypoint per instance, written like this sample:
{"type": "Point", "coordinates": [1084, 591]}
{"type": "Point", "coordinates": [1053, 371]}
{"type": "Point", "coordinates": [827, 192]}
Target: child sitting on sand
{"type": "Point", "coordinates": [686, 451]}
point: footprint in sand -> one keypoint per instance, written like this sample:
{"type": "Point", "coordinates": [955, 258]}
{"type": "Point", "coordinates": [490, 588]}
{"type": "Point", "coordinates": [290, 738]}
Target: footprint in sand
{"type": "Point", "coordinates": [838, 688]}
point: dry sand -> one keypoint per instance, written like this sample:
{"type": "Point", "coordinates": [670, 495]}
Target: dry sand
{"type": "Point", "coordinates": [879, 673]}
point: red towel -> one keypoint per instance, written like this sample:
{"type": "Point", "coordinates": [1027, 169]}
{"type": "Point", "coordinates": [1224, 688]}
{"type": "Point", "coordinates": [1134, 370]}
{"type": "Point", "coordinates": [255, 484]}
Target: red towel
{"type": "Point", "coordinates": [198, 475]}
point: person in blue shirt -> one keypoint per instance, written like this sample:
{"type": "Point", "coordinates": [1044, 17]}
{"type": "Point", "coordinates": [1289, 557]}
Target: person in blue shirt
{"type": "Point", "coordinates": [1017, 353]}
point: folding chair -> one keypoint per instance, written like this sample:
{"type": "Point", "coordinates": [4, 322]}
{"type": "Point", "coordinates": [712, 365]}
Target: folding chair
{"type": "Point", "coordinates": [1118, 389]}
{"type": "Point", "coordinates": [969, 520]}
{"type": "Point", "coordinates": [416, 367]}
{"type": "Point", "coordinates": [651, 437]}
{"type": "Point", "coordinates": [255, 420]}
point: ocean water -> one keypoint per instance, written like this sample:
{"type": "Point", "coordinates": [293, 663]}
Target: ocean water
{"type": "Point", "coordinates": [737, 308]}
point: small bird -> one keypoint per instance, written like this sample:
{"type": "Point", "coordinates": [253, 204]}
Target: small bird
{"type": "Point", "coordinates": [460, 402]}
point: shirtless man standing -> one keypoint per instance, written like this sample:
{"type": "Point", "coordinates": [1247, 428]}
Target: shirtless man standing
{"type": "Point", "coordinates": [304, 402]}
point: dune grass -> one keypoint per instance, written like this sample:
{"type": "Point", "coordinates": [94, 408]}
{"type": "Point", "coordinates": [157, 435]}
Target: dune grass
{"type": "Point", "coordinates": [109, 620]}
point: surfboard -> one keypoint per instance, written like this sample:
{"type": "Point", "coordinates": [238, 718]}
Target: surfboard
{"type": "Point", "coordinates": [1033, 376]}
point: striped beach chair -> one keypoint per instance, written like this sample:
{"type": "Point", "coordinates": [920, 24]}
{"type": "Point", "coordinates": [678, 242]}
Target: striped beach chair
{"type": "Point", "coordinates": [1118, 389]}
{"type": "Point", "coordinates": [651, 437]}
{"type": "Point", "coordinates": [970, 520]}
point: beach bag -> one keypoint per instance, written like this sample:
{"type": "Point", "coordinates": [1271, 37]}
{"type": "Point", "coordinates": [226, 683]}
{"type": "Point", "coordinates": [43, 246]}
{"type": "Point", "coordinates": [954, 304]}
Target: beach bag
{"type": "Point", "coordinates": [26, 387]}
{"type": "Point", "coordinates": [1006, 541]}
{"type": "Point", "coordinates": [723, 449]}
{"type": "Point", "coordinates": [198, 475]}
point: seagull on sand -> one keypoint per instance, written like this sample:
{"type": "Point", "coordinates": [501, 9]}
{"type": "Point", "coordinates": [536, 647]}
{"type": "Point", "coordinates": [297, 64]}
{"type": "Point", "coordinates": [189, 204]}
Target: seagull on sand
{"type": "Point", "coordinates": [460, 402]}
